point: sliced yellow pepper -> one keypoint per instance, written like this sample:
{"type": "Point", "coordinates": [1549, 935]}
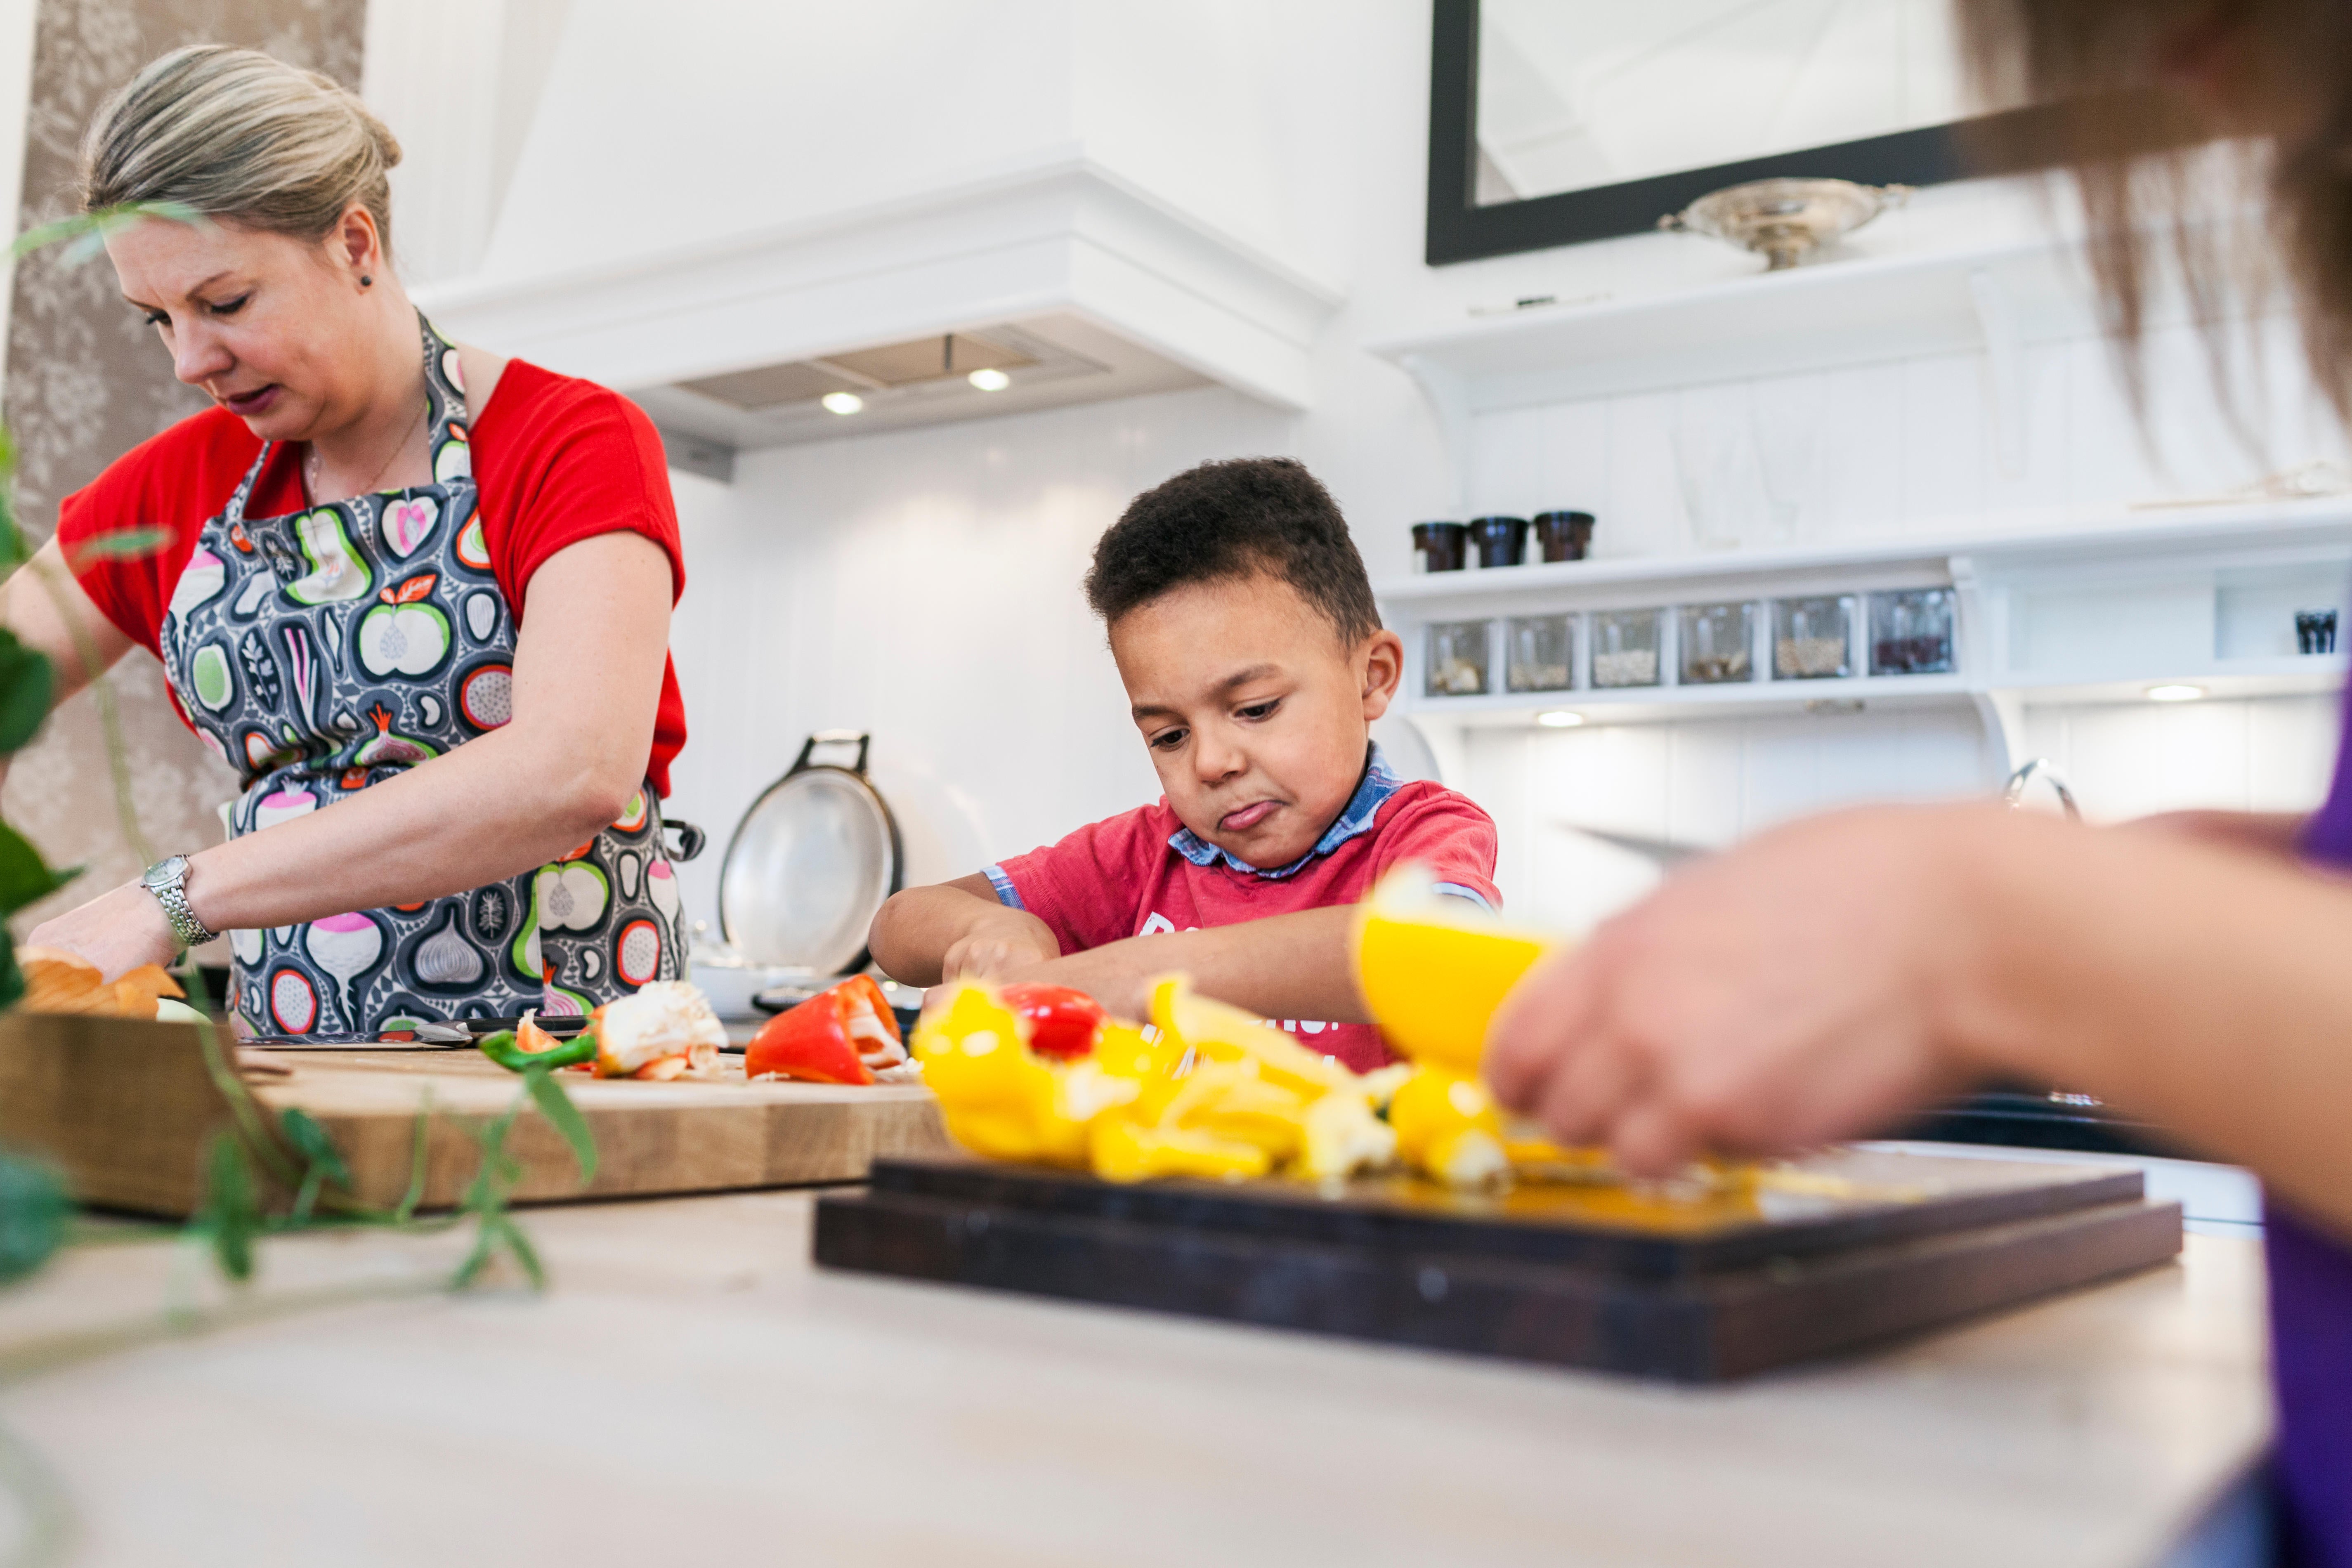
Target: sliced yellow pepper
{"type": "Point", "coordinates": [1125, 1051]}
{"type": "Point", "coordinates": [1226, 1034]}
{"type": "Point", "coordinates": [1123, 1151]}
{"type": "Point", "coordinates": [1449, 1128]}
{"type": "Point", "coordinates": [1230, 1100]}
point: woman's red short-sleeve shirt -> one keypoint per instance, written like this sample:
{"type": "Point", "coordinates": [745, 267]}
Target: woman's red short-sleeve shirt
{"type": "Point", "coordinates": [557, 460]}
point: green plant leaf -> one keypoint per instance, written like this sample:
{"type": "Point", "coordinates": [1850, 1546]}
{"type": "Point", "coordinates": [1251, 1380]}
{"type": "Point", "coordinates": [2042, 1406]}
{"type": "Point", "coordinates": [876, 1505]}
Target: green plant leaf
{"type": "Point", "coordinates": [24, 879]}
{"type": "Point", "coordinates": [230, 1217]}
{"type": "Point", "coordinates": [524, 1253]}
{"type": "Point", "coordinates": [12, 973]}
{"type": "Point", "coordinates": [88, 231]}
{"type": "Point", "coordinates": [564, 1117]}
{"type": "Point", "coordinates": [313, 1143]}
{"type": "Point", "coordinates": [33, 1213]}
{"type": "Point", "coordinates": [27, 684]}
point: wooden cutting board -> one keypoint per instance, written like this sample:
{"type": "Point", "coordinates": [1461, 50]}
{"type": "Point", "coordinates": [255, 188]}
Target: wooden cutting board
{"type": "Point", "coordinates": [128, 1109]}
{"type": "Point", "coordinates": [1857, 1248]}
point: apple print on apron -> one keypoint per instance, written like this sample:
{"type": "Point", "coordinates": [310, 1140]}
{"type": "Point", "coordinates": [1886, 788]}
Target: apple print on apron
{"type": "Point", "coordinates": [332, 648]}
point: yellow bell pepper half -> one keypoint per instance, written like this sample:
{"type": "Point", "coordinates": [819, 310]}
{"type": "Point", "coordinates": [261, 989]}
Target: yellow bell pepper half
{"type": "Point", "coordinates": [1432, 969]}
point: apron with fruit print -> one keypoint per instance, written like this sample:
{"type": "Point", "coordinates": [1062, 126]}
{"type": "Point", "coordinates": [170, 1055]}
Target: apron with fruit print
{"type": "Point", "coordinates": [331, 649]}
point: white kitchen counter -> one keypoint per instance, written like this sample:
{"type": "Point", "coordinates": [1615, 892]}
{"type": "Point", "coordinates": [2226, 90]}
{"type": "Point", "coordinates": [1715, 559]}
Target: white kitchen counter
{"type": "Point", "coordinates": [690, 1384]}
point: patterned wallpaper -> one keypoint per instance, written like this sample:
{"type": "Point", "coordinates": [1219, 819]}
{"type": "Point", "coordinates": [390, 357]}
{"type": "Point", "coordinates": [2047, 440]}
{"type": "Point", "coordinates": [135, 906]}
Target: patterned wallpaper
{"type": "Point", "coordinates": [86, 381]}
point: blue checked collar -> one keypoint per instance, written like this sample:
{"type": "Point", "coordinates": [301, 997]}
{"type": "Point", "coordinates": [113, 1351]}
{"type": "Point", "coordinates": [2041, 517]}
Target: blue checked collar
{"type": "Point", "coordinates": [1369, 796]}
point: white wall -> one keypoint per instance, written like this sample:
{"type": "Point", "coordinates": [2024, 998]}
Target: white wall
{"type": "Point", "coordinates": [924, 585]}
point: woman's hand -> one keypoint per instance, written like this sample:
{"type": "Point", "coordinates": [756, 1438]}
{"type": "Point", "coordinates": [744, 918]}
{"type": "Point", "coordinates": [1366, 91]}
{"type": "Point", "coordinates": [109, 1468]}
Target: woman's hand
{"type": "Point", "coordinates": [1792, 991]}
{"type": "Point", "coordinates": [117, 932]}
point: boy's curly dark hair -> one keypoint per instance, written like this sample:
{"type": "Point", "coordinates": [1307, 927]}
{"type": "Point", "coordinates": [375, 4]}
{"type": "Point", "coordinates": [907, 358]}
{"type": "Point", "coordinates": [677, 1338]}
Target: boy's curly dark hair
{"type": "Point", "coordinates": [1231, 519]}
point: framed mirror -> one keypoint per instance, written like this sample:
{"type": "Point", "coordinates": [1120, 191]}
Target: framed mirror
{"type": "Point", "coordinates": [1552, 122]}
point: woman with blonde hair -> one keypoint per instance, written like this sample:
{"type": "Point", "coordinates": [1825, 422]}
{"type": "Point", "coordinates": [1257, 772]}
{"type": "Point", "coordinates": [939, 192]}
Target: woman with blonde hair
{"type": "Point", "coordinates": [2192, 968]}
{"type": "Point", "coordinates": [416, 594]}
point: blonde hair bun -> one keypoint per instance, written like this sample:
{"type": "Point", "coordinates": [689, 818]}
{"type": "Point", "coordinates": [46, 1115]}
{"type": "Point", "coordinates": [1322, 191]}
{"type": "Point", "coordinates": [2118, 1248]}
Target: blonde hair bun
{"type": "Point", "coordinates": [244, 138]}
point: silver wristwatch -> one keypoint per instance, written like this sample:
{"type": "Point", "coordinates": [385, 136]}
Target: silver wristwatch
{"type": "Point", "coordinates": [164, 879]}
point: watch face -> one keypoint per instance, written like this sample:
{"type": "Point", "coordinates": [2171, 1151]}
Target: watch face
{"type": "Point", "coordinates": [163, 873]}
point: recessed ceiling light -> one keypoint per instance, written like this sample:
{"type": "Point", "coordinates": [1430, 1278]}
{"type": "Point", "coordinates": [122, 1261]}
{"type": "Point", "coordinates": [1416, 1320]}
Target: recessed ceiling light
{"type": "Point", "coordinates": [2175, 693]}
{"type": "Point", "coordinates": [843, 402]}
{"type": "Point", "coordinates": [1559, 719]}
{"type": "Point", "coordinates": [990, 380]}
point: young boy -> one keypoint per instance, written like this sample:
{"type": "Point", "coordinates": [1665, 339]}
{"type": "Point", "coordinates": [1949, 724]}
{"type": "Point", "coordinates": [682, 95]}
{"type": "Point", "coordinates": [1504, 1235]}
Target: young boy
{"type": "Point", "coordinates": [1244, 628]}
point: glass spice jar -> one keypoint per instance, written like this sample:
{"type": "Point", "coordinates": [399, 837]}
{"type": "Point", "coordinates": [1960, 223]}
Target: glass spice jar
{"type": "Point", "coordinates": [1541, 653]}
{"type": "Point", "coordinates": [1911, 632]}
{"type": "Point", "coordinates": [1457, 659]}
{"type": "Point", "coordinates": [1719, 644]}
{"type": "Point", "coordinates": [1626, 647]}
{"type": "Point", "coordinates": [1812, 638]}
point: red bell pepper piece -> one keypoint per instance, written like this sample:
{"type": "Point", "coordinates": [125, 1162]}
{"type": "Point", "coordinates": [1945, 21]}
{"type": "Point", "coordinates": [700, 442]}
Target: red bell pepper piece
{"type": "Point", "coordinates": [1063, 1022]}
{"type": "Point", "coordinates": [819, 1041]}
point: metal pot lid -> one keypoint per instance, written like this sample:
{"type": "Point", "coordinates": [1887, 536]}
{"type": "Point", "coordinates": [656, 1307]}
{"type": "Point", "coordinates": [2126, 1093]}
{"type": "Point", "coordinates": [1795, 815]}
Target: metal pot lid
{"type": "Point", "coordinates": [808, 867]}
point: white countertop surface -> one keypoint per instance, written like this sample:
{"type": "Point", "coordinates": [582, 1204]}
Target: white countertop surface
{"type": "Point", "coordinates": [689, 1383]}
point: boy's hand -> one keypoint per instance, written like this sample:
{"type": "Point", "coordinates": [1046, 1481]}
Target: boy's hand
{"type": "Point", "coordinates": [927, 935]}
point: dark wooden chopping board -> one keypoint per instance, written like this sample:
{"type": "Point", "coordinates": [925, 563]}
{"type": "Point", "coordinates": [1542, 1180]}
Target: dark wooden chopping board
{"type": "Point", "coordinates": [1861, 1247]}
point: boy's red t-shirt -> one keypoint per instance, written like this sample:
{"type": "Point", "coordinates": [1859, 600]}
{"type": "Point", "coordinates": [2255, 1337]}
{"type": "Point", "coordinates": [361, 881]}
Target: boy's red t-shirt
{"type": "Point", "coordinates": [1144, 871]}
{"type": "Point", "coordinates": [557, 460]}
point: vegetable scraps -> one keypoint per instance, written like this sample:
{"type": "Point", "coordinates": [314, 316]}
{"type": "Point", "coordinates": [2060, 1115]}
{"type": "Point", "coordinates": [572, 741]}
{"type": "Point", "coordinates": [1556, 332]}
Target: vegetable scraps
{"type": "Point", "coordinates": [663, 1030]}
{"type": "Point", "coordinates": [845, 1034]}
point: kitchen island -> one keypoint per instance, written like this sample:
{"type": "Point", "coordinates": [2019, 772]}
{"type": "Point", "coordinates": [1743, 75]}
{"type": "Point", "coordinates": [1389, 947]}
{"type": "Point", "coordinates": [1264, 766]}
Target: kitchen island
{"type": "Point", "coordinates": [690, 1385]}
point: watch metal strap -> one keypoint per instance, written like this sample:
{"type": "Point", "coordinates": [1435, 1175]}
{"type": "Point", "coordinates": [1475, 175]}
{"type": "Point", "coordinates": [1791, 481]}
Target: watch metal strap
{"type": "Point", "coordinates": [176, 909]}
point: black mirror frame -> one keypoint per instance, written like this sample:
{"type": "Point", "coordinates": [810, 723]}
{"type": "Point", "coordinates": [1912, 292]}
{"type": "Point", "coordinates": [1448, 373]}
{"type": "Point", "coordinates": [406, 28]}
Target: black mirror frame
{"type": "Point", "coordinates": [1461, 230]}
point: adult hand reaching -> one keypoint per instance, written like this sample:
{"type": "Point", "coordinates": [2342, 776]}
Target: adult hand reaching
{"type": "Point", "coordinates": [1798, 989]}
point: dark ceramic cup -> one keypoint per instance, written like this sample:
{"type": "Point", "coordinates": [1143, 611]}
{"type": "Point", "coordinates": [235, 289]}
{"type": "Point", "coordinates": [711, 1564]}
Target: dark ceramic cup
{"type": "Point", "coordinates": [1501, 540]}
{"type": "Point", "coordinates": [1563, 535]}
{"type": "Point", "coordinates": [1441, 544]}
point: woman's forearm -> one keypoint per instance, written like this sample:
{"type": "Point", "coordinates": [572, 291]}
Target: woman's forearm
{"type": "Point", "coordinates": [2204, 988]}
{"type": "Point", "coordinates": [489, 810]}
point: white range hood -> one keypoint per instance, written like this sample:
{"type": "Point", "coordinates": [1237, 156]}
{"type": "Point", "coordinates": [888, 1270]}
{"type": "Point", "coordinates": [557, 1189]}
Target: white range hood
{"type": "Point", "coordinates": [662, 235]}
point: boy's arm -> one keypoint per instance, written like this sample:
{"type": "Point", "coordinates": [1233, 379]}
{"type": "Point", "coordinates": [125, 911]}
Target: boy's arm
{"type": "Point", "coordinates": [1284, 966]}
{"type": "Point", "coordinates": [925, 935]}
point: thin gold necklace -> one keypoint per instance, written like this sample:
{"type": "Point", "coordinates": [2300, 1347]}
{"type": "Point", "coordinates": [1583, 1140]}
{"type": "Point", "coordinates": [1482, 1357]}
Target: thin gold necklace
{"type": "Point", "coordinates": [312, 468]}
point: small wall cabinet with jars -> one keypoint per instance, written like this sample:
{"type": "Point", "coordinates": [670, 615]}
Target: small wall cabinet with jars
{"type": "Point", "coordinates": [1721, 643]}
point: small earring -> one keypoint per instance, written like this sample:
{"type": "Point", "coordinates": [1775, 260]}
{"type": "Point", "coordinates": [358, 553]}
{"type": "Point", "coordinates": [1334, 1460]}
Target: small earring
{"type": "Point", "coordinates": [366, 282]}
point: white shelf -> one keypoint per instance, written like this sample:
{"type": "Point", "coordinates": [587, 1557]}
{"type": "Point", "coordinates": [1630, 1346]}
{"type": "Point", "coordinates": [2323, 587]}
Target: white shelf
{"type": "Point", "coordinates": [1833, 311]}
{"type": "Point", "coordinates": [1731, 700]}
{"type": "Point", "coordinates": [2087, 607]}
{"type": "Point", "coordinates": [2141, 540]}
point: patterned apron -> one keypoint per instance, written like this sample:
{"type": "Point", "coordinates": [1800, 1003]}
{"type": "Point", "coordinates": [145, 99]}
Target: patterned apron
{"type": "Point", "coordinates": [331, 649]}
